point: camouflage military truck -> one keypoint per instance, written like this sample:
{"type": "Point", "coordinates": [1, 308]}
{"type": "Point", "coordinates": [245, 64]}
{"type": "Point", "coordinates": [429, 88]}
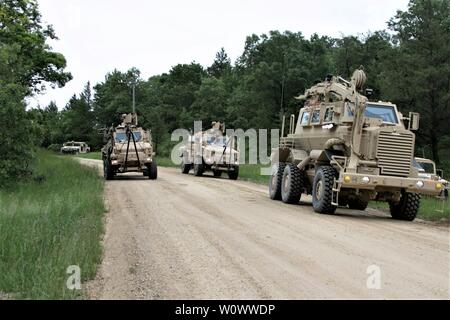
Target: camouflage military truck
{"type": "Point", "coordinates": [211, 150]}
{"type": "Point", "coordinates": [345, 150]}
{"type": "Point", "coordinates": [128, 148]}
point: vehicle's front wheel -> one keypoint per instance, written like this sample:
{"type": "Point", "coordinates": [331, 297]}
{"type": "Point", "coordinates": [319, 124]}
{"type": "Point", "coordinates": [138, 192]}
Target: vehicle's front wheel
{"type": "Point", "coordinates": [291, 184]}
{"type": "Point", "coordinates": [199, 168]}
{"type": "Point", "coordinates": [275, 181]}
{"type": "Point", "coordinates": [407, 208]}
{"type": "Point", "coordinates": [233, 175]}
{"type": "Point", "coordinates": [322, 192]}
{"type": "Point", "coordinates": [153, 170]}
{"type": "Point", "coordinates": [108, 173]}
{"type": "Point", "coordinates": [185, 168]}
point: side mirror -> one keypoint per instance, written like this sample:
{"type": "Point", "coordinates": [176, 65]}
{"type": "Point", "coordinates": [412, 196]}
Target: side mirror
{"type": "Point", "coordinates": [440, 173]}
{"type": "Point", "coordinates": [413, 123]}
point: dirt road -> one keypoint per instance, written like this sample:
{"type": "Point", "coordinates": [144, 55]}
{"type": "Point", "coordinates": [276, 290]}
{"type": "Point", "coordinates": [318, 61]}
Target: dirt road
{"type": "Point", "coordinates": [183, 237]}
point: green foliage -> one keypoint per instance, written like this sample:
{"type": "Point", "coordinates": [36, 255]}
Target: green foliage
{"type": "Point", "coordinates": [28, 59]}
{"type": "Point", "coordinates": [16, 135]}
{"type": "Point", "coordinates": [26, 63]}
{"type": "Point", "coordinates": [48, 224]}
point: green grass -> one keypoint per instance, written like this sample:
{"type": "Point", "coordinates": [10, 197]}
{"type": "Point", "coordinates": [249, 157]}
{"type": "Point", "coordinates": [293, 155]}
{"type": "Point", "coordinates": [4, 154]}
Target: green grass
{"type": "Point", "coordinates": [48, 224]}
{"type": "Point", "coordinates": [91, 155]}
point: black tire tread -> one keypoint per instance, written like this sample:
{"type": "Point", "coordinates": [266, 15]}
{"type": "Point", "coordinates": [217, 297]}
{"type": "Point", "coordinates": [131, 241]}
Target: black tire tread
{"type": "Point", "coordinates": [325, 206]}
{"type": "Point", "coordinates": [296, 187]}
{"type": "Point", "coordinates": [276, 194]}
{"type": "Point", "coordinates": [407, 208]}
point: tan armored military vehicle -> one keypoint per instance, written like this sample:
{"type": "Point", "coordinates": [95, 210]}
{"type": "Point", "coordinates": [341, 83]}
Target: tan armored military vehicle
{"type": "Point", "coordinates": [346, 150]}
{"type": "Point", "coordinates": [129, 148]}
{"type": "Point", "coordinates": [211, 150]}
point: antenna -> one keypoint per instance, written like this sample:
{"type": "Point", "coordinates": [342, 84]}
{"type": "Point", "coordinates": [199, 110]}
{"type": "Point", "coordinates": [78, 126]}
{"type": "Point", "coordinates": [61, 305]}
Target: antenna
{"type": "Point", "coordinates": [134, 98]}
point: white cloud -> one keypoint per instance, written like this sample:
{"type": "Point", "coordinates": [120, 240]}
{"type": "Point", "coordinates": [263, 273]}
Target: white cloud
{"type": "Point", "coordinates": [98, 36]}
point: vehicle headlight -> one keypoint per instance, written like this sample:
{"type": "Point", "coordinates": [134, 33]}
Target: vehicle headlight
{"type": "Point", "coordinates": [439, 186]}
{"type": "Point", "coordinates": [419, 184]}
{"type": "Point", "coordinates": [347, 179]}
{"type": "Point", "coordinates": [365, 180]}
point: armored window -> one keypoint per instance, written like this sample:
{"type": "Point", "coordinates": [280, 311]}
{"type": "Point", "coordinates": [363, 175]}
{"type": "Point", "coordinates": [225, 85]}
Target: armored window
{"type": "Point", "coordinates": [315, 117]}
{"type": "Point", "coordinates": [305, 118]}
{"type": "Point", "coordinates": [329, 114]}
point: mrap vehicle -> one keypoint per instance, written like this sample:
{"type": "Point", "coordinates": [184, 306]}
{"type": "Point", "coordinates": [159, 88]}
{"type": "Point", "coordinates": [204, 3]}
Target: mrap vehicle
{"type": "Point", "coordinates": [346, 150]}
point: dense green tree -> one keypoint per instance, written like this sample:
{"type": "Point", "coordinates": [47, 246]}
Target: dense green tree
{"type": "Point", "coordinates": [221, 65]}
{"type": "Point", "coordinates": [27, 58]}
{"type": "Point", "coordinates": [418, 73]}
{"type": "Point", "coordinates": [26, 64]}
{"type": "Point", "coordinates": [113, 97]}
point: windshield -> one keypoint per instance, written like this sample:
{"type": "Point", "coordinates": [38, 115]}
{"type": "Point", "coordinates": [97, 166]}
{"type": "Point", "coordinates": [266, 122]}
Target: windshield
{"type": "Point", "coordinates": [385, 113]}
{"type": "Point", "coordinates": [122, 137]}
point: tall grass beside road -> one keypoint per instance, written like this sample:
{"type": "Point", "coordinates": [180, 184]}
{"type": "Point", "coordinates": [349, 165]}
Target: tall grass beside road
{"type": "Point", "coordinates": [48, 224]}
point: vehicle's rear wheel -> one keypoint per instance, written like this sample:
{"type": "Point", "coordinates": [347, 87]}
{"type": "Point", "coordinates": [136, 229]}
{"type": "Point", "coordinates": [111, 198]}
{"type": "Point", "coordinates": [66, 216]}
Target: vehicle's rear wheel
{"type": "Point", "coordinates": [233, 175]}
{"type": "Point", "coordinates": [185, 168]}
{"type": "Point", "coordinates": [291, 184]}
{"type": "Point", "coordinates": [153, 170]}
{"type": "Point", "coordinates": [199, 168]}
{"type": "Point", "coordinates": [406, 209]}
{"type": "Point", "coordinates": [322, 192]}
{"type": "Point", "coordinates": [108, 173]}
{"type": "Point", "coordinates": [275, 180]}
{"type": "Point", "coordinates": [343, 201]}
{"type": "Point", "coordinates": [357, 203]}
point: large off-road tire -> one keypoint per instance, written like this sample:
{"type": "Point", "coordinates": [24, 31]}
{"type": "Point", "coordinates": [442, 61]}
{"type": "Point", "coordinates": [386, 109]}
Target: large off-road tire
{"type": "Point", "coordinates": [275, 181]}
{"type": "Point", "coordinates": [233, 175]}
{"type": "Point", "coordinates": [153, 170]}
{"type": "Point", "coordinates": [407, 208]}
{"type": "Point", "coordinates": [108, 173]}
{"type": "Point", "coordinates": [356, 203]}
{"type": "Point", "coordinates": [292, 184]}
{"type": "Point", "coordinates": [199, 168]}
{"type": "Point", "coordinates": [185, 168]}
{"type": "Point", "coordinates": [322, 192]}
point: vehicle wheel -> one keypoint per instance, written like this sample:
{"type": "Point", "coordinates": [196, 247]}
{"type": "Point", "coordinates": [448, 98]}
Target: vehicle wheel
{"type": "Point", "coordinates": [153, 170]}
{"type": "Point", "coordinates": [233, 175]}
{"type": "Point", "coordinates": [217, 173]}
{"type": "Point", "coordinates": [108, 174]}
{"type": "Point", "coordinates": [343, 201]}
{"type": "Point", "coordinates": [322, 192]}
{"type": "Point", "coordinates": [199, 168]}
{"type": "Point", "coordinates": [407, 208]}
{"type": "Point", "coordinates": [291, 184]}
{"type": "Point", "coordinates": [185, 168]}
{"type": "Point", "coordinates": [357, 204]}
{"type": "Point", "coordinates": [275, 181]}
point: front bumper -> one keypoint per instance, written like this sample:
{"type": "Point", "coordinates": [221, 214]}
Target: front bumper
{"type": "Point", "coordinates": [388, 183]}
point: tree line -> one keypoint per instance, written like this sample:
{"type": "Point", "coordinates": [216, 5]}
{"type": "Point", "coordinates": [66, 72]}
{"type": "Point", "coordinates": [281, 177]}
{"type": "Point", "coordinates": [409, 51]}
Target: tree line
{"type": "Point", "coordinates": [407, 64]}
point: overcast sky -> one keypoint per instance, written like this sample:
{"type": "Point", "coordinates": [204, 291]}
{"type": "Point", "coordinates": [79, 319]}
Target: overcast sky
{"type": "Point", "coordinates": [97, 36]}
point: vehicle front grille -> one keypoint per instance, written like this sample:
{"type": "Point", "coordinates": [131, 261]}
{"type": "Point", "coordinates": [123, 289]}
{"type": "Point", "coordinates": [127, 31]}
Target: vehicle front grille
{"type": "Point", "coordinates": [394, 153]}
